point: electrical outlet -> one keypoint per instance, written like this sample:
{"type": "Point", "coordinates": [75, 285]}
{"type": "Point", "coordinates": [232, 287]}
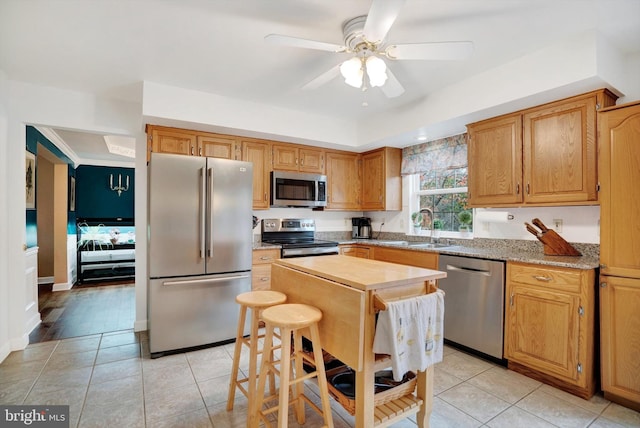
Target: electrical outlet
{"type": "Point", "coordinates": [557, 225]}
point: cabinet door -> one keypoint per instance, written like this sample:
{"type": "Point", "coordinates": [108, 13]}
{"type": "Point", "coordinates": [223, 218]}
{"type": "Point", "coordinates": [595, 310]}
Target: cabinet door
{"type": "Point", "coordinates": [373, 181]}
{"type": "Point", "coordinates": [343, 177]}
{"type": "Point", "coordinates": [354, 251]}
{"type": "Point", "coordinates": [173, 141]}
{"type": "Point", "coordinates": [285, 157]}
{"type": "Point", "coordinates": [421, 259]}
{"type": "Point", "coordinates": [620, 192]}
{"type": "Point", "coordinates": [620, 336]}
{"type": "Point", "coordinates": [218, 146]}
{"type": "Point", "coordinates": [495, 161]}
{"type": "Point", "coordinates": [311, 160]}
{"type": "Point", "coordinates": [257, 152]}
{"type": "Point", "coordinates": [560, 152]}
{"type": "Point", "coordinates": [542, 330]}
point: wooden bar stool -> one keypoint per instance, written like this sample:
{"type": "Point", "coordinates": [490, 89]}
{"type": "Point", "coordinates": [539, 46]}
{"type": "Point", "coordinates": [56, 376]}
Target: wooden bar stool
{"type": "Point", "coordinates": [256, 301]}
{"type": "Point", "coordinates": [296, 320]}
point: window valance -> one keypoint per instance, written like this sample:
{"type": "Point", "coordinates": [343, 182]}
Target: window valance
{"type": "Point", "coordinates": [445, 153]}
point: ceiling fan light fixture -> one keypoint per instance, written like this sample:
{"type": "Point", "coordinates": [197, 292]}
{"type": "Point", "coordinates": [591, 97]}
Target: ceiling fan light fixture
{"type": "Point", "coordinates": [352, 72]}
{"type": "Point", "coordinates": [376, 70]}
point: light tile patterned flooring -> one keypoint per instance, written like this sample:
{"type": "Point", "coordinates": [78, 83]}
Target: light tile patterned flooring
{"type": "Point", "coordinates": [109, 381]}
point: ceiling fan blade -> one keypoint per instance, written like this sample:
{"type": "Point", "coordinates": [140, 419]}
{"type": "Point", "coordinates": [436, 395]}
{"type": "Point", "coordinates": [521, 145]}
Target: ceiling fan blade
{"type": "Point", "coordinates": [325, 77]}
{"type": "Point", "coordinates": [278, 39]}
{"type": "Point", "coordinates": [431, 51]}
{"type": "Point", "coordinates": [380, 18]}
{"type": "Point", "coordinates": [392, 88]}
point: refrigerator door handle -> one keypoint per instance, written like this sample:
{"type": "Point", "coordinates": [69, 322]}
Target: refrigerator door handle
{"type": "Point", "coordinates": [209, 217]}
{"type": "Point", "coordinates": [204, 281]}
{"type": "Point", "coordinates": [203, 206]}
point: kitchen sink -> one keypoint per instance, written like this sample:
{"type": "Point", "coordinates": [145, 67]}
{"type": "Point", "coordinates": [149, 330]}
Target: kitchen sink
{"type": "Point", "coordinates": [427, 245]}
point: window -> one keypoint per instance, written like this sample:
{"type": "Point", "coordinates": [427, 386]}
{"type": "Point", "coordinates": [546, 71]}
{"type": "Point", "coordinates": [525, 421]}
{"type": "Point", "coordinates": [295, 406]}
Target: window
{"type": "Point", "coordinates": [444, 192]}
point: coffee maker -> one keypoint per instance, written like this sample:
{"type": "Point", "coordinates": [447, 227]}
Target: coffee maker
{"type": "Point", "coordinates": [361, 228]}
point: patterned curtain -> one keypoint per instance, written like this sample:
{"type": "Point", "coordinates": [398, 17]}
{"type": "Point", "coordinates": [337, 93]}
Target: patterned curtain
{"type": "Point", "coordinates": [445, 153]}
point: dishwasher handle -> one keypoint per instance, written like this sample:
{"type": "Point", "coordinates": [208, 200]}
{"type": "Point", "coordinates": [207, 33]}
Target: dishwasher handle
{"type": "Point", "coordinates": [469, 270]}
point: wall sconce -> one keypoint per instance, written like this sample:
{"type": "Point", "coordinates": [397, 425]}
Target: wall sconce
{"type": "Point", "coordinates": [119, 187]}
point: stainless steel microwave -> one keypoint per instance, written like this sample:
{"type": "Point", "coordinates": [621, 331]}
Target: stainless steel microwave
{"type": "Point", "coordinates": [295, 189]}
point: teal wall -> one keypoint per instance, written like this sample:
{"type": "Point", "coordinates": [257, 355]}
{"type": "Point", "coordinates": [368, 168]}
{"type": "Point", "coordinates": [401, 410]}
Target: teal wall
{"type": "Point", "coordinates": [34, 137]}
{"type": "Point", "coordinates": [94, 197]}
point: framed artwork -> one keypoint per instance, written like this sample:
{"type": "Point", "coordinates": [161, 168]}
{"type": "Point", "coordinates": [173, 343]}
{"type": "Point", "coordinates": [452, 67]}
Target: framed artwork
{"type": "Point", "coordinates": [30, 180]}
{"type": "Point", "coordinates": [72, 193]}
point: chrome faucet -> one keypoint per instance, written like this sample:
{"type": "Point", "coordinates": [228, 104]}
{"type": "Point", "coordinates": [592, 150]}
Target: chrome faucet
{"type": "Point", "coordinates": [430, 212]}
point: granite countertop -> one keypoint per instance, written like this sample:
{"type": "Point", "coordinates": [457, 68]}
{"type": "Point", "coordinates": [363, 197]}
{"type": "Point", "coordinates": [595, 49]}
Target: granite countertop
{"type": "Point", "coordinates": [503, 250]}
{"type": "Point", "coordinates": [493, 249]}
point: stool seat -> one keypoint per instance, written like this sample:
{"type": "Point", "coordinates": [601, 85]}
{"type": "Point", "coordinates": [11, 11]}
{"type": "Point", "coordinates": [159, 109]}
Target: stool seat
{"type": "Point", "coordinates": [261, 298]}
{"type": "Point", "coordinates": [291, 315]}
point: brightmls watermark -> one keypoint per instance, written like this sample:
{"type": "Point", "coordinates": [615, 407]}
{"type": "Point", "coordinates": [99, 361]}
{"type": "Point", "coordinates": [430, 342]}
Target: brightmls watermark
{"type": "Point", "coordinates": [34, 416]}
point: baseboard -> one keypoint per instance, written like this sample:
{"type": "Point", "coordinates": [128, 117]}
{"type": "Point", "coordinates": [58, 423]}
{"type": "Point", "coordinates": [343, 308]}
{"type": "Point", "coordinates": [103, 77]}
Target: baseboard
{"type": "Point", "coordinates": [45, 280]}
{"type": "Point", "coordinates": [33, 322]}
{"type": "Point", "coordinates": [19, 343]}
{"type": "Point", "coordinates": [140, 325]}
{"type": "Point", "coordinates": [62, 286]}
{"type": "Point", "coordinates": [5, 350]}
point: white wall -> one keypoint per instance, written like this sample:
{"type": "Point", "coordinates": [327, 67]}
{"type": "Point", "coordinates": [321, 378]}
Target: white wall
{"type": "Point", "coordinates": [5, 303]}
{"type": "Point", "coordinates": [22, 104]}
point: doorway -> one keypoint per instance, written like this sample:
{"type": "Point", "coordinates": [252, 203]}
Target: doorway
{"type": "Point", "coordinates": [68, 310]}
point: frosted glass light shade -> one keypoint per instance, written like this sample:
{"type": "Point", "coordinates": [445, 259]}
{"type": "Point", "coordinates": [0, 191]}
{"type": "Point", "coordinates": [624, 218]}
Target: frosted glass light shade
{"type": "Point", "coordinates": [352, 72]}
{"type": "Point", "coordinates": [377, 71]}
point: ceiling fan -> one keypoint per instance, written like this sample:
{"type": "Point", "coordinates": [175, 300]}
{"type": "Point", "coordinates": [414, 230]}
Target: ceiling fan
{"type": "Point", "coordinates": [364, 38]}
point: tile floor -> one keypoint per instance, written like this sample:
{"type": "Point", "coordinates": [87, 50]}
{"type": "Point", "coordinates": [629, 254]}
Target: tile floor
{"type": "Point", "coordinates": [108, 380]}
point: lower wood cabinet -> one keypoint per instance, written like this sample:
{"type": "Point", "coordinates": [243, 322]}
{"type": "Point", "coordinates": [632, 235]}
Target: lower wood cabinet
{"type": "Point", "coordinates": [549, 325]}
{"type": "Point", "coordinates": [355, 251]}
{"type": "Point", "coordinates": [423, 259]}
{"type": "Point", "coordinates": [620, 339]}
{"type": "Point", "coordinates": [261, 268]}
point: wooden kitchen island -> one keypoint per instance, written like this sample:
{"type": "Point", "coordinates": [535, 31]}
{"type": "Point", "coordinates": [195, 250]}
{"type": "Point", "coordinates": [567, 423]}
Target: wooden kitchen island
{"type": "Point", "coordinates": [349, 291]}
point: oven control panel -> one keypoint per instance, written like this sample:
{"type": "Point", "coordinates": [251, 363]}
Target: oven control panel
{"type": "Point", "coordinates": [288, 225]}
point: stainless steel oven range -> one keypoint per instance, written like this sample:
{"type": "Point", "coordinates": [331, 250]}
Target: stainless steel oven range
{"type": "Point", "coordinates": [296, 236]}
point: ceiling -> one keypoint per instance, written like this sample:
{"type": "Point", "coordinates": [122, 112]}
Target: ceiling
{"type": "Point", "coordinates": [108, 47]}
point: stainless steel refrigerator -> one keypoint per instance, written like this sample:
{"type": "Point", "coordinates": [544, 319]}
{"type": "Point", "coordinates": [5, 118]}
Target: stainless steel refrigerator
{"type": "Point", "coordinates": [199, 249]}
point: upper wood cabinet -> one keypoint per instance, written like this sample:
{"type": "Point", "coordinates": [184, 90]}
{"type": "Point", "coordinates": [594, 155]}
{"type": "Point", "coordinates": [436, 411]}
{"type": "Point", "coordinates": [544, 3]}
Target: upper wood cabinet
{"type": "Point", "coordinates": [219, 146]}
{"type": "Point", "coordinates": [550, 325]}
{"type": "Point", "coordinates": [494, 152]}
{"type": "Point", "coordinates": [381, 180]}
{"type": "Point", "coordinates": [258, 152]}
{"type": "Point", "coordinates": [540, 156]}
{"type": "Point", "coordinates": [171, 140]}
{"type": "Point", "coordinates": [193, 143]}
{"type": "Point", "coordinates": [619, 161]}
{"type": "Point", "coordinates": [343, 180]}
{"type": "Point", "coordinates": [289, 157]}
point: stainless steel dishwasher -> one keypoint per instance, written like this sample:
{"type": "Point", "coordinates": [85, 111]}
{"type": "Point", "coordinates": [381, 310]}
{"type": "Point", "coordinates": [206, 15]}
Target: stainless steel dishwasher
{"type": "Point", "coordinates": [474, 303]}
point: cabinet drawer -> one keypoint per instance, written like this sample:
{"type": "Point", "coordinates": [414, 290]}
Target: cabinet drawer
{"type": "Point", "coordinates": [261, 277]}
{"type": "Point", "coordinates": [556, 278]}
{"type": "Point", "coordinates": [265, 256]}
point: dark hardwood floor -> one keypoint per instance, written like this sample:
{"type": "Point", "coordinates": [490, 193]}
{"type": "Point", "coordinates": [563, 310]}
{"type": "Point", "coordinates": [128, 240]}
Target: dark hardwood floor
{"type": "Point", "coordinates": [84, 310]}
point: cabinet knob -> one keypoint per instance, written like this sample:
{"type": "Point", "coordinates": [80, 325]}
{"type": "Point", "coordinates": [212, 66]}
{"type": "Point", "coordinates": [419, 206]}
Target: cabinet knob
{"type": "Point", "coordinates": [603, 266]}
{"type": "Point", "coordinates": [603, 284]}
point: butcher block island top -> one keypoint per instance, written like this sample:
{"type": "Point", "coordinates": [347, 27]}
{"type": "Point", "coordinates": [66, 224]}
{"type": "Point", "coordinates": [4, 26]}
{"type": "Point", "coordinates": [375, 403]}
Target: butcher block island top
{"type": "Point", "coordinates": [349, 291]}
{"type": "Point", "coordinates": [363, 274]}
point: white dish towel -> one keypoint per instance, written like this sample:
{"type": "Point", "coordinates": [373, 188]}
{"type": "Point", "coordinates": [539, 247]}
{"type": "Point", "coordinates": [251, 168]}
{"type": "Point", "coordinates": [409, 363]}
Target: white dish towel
{"type": "Point", "coordinates": [411, 332]}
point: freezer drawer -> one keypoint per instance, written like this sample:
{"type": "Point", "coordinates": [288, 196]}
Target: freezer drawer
{"type": "Point", "coordinates": [194, 311]}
